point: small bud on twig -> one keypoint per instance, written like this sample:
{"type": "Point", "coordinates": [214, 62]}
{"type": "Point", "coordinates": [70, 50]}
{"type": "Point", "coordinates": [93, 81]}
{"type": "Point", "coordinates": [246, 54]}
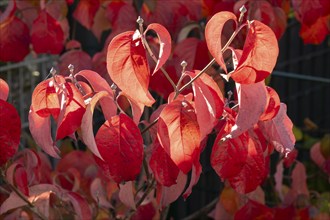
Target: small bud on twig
{"type": "Point", "coordinates": [52, 71]}
{"type": "Point", "coordinates": [113, 86]}
{"type": "Point", "coordinates": [184, 65]}
{"type": "Point", "coordinates": [140, 21]}
{"type": "Point", "coordinates": [243, 10]}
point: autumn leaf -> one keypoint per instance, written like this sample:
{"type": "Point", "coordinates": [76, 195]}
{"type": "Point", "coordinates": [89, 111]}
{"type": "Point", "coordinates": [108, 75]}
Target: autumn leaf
{"type": "Point", "coordinates": [10, 131]}
{"type": "Point", "coordinates": [164, 44]}
{"type": "Point", "coordinates": [162, 166]}
{"type": "Point", "coordinates": [78, 58]}
{"type": "Point", "coordinates": [178, 133]}
{"type": "Point", "coordinates": [120, 144]}
{"type": "Point", "coordinates": [128, 67]}
{"type": "Point", "coordinates": [259, 55]}
{"type": "Point", "coordinates": [15, 40]}
{"type": "Point", "coordinates": [278, 131]}
{"type": "Point", "coordinates": [213, 33]}
{"type": "Point", "coordinates": [4, 90]}
{"type": "Point", "coordinates": [254, 210]}
{"type": "Point", "coordinates": [46, 29]}
{"type": "Point", "coordinates": [273, 105]}
{"type": "Point", "coordinates": [85, 12]}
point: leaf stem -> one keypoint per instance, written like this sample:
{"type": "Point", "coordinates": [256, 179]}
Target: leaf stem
{"type": "Point", "coordinates": [203, 211]}
{"type": "Point", "coordinates": [149, 126]}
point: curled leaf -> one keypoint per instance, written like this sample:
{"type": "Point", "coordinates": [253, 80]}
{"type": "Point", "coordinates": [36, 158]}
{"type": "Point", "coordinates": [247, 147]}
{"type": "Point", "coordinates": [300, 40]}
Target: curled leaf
{"type": "Point", "coordinates": [128, 67]}
{"type": "Point", "coordinates": [4, 90]}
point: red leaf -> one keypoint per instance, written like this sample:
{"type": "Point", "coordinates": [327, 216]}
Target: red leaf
{"type": "Point", "coordinates": [128, 67]}
{"type": "Point", "coordinates": [87, 134]}
{"type": "Point", "coordinates": [10, 131]}
{"type": "Point", "coordinates": [299, 179]}
{"type": "Point", "coordinates": [145, 212]}
{"type": "Point", "coordinates": [278, 131]}
{"type": "Point", "coordinates": [4, 90]}
{"type": "Point", "coordinates": [86, 11]}
{"type": "Point", "coordinates": [99, 84]}
{"type": "Point", "coordinates": [78, 58]}
{"type": "Point", "coordinates": [71, 114]}
{"type": "Point", "coordinates": [15, 40]}
{"type": "Point", "coordinates": [76, 159]}
{"type": "Point", "coordinates": [164, 43]}
{"type": "Point", "coordinates": [45, 100]}
{"type": "Point", "coordinates": [317, 32]}
{"type": "Point", "coordinates": [172, 193]}
{"type": "Point", "coordinates": [278, 176]}
{"type": "Point", "coordinates": [208, 102]}
{"type": "Point", "coordinates": [290, 158]}
{"type": "Point", "coordinates": [259, 55]}
{"type": "Point", "coordinates": [273, 105]}
{"type": "Point", "coordinates": [162, 166]}
{"type": "Point", "coordinates": [120, 144]}
{"type": "Point", "coordinates": [213, 32]}
{"type": "Point", "coordinates": [100, 23]}
{"type": "Point", "coordinates": [9, 12]}
{"type": "Point", "coordinates": [21, 180]}
{"type": "Point", "coordinates": [126, 105]}
{"type": "Point", "coordinates": [178, 133]}
{"type": "Point", "coordinates": [41, 133]}
{"type": "Point", "coordinates": [253, 210]}
{"type": "Point", "coordinates": [126, 194]}
{"type": "Point", "coordinates": [250, 107]}
{"type": "Point", "coordinates": [46, 29]}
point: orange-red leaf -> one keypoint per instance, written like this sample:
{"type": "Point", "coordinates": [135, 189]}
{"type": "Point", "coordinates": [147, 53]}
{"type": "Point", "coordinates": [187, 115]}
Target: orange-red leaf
{"type": "Point", "coordinates": [4, 90]}
{"type": "Point", "coordinates": [46, 29]}
{"type": "Point", "coordinates": [273, 105]}
{"type": "Point", "coordinates": [178, 133]}
{"type": "Point", "coordinates": [10, 131]}
{"type": "Point", "coordinates": [259, 55]}
{"type": "Point", "coordinates": [120, 144]}
{"type": "Point", "coordinates": [213, 32]}
{"type": "Point", "coordinates": [164, 44]}
{"type": "Point", "coordinates": [86, 11]}
{"type": "Point", "coordinates": [128, 67]}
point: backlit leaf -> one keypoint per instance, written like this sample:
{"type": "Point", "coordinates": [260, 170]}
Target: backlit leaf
{"type": "Point", "coordinates": [299, 179]}
{"type": "Point", "coordinates": [195, 174]}
{"type": "Point", "coordinates": [46, 29]}
{"type": "Point", "coordinates": [78, 58]}
{"type": "Point", "coordinates": [41, 132]}
{"type": "Point", "coordinates": [10, 131]}
{"type": "Point", "coordinates": [178, 133]}
{"type": "Point", "coordinates": [250, 107]}
{"type": "Point", "coordinates": [86, 11]}
{"type": "Point", "coordinates": [120, 144]}
{"type": "Point", "coordinates": [254, 210]}
{"type": "Point", "coordinates": [259, 55]}
{"type": "Point", "coordinates": [273, 105]}
{"type": "Point", "coordinates": [278, 131]}
{"type": "Point", "coordinates": [4, 90]}
{"type": "Point", "coordinates": [164, 44]}
{"type": "Point", "coordinates": [128, 67]}
{"type": "Point", "coordinates": [72, 111]}
{"type": "Point", "coordinates": [126, 195]}
{"type": "Point", "coordinates": [213, 32]}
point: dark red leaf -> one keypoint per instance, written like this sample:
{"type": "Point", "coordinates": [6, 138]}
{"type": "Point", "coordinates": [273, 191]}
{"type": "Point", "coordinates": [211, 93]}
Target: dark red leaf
{"type": "Point", "coordinates": [80, 205]}
{"type": "Point", "coordinates": [72, 111]}
{"type": "Point", "coordinates": [317, 32]}
{"type": "Point", "coordinates": [165, 43]}
{"type": "Point", "coordinates": [259, 55]}
{"type": "Point", "coordinates": [145, 212]}
{"type": "Point", "coordinates": [120, 144]}
{"type": "Point", "coordinates": [86, 11]}
{"type": "Point", "coordinates": [128, 67]}
{"type": "Point", "coordinates": [4, 90]}
{"type": "Point", "coordinates": [15, 40]}
{"type": "Point", "coordinates": [213, 32]}
{"type": "Point", "coordinates": [46, 29]}
{"type": "Point", "coordinates": [10, 131]}
{"type": "Point", "coordinates": [162, 166]}
{"type": "Point", "coordinates": [195, 174]}
{"type": "Point", "coordinates": [21, 180]}
{"type": "Point", "coordinates": [178, 133]}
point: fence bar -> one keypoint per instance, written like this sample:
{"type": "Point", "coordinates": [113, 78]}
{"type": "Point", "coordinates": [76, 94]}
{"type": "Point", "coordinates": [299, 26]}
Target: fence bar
{"type": "Point", "coordinates": [300, 76]}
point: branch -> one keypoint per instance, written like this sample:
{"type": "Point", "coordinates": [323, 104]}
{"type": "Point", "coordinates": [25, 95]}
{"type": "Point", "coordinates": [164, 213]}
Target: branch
{"type": "Point", "coordinates": [203, 211]}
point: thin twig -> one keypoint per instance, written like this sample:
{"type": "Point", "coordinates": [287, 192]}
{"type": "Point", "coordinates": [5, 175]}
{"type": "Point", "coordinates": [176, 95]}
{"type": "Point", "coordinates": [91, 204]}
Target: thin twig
{"type": "Point", "coordinates": [203, 211]}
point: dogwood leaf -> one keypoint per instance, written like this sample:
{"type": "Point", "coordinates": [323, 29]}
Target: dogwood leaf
{"type": "Point", "coordinates": [178, 133]}
{"type": "Point", "coordinates": [259, 55]}
{"type": "Point", "coordinates": [120, 144]}
{"type": "Point", "coordinates": [10, 131]}
{"type": "Point", "coordinates": [4, 90]}
{"type": "Point", "coordinates": [164, 43]}
{"type": "Point", "coordinates": [128, 67]}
